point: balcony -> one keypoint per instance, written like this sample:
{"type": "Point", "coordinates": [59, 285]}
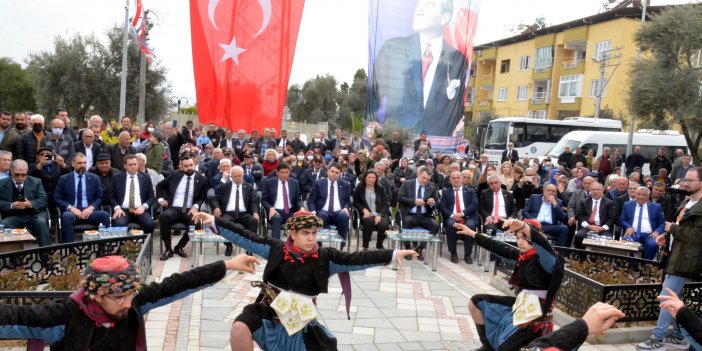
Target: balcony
{"type": "Point", "coordinates": [542, 73]}
{"type": "Point", "coordinates": [569, 104]}
{"type": "Point", "coordinates": [487, 81]}
{"type": "Point", "coordinates": [573, 67]}
{"type": "Point", "coordinates": [485, 105]}
{"type": "Point", "coordinates": [540, 101]}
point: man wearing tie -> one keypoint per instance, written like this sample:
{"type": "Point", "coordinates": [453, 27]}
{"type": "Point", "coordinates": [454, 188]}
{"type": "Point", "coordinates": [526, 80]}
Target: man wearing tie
{"type": "Point", "coordinates": [281, 198]}
{"type": "Point", "coordinates": [417, 198]}
{"type": "Point", "coordinates": [253, 169]}
{"type": "Point", "coordinates": [596, 215]}
{"type": "Point", "coordinates": [283, 140]}
{"type": "Point", "coordinates": [459, 205]}
{"type": "Point", "coordinates": [183, 193]}
{"type": "Point", "coordinates": [235, 202]}
{"type": "Point", "coordinates": [78, 195]}
{"type": "Point", "coordinates": [510, 154]}
{"type": "Point", "coordinates": [132, 196]}
{"type": "Point", "coordinates": [548, 210]}
{"type": "Point", "coordinates": [23, 202]}
{"type": "Point", "coordinates": [330, 199]}
{"type": "Point", "coordinates": [643, 222]}
{"type": "Point", "coordinates": [228, 141]}
{"type": "Point", "coordinates": [311, 175]}
{"type": "Point", "coordinates": [496, 204]}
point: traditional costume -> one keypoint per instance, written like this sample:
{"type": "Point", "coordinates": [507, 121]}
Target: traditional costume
{"type": "Point", "coordinates": [511, 323]}
{"type": "Point", "coordinates": [282, 318]}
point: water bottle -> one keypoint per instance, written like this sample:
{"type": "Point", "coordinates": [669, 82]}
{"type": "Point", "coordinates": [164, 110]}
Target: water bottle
{"type": "Point", "coordinates": [101, 231]}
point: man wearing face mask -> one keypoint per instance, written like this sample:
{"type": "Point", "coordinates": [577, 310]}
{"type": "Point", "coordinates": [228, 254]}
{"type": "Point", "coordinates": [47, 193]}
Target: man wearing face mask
{"type": "Point", "coordinates": [30, 142]}
{"type": "Point", "coordinates": [316, 145]}
{"type": "Point", "coordinates": [60, 143]}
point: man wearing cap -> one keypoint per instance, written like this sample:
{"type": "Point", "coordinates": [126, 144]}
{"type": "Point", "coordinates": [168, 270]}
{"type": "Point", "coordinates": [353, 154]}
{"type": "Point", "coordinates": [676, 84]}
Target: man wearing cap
{"type": "Point", "coordinates": [297, 265]}
{"type": "Point", "coordinates": [311, 175]}
{"type": "Point", "coordinates": [107, 311]}
{"type": "Point", "coordinates": [253, 169]}
{"type": "Point", "coordinates": [23, 202]}
{"type": "Point", "coordinates": [104, 170]}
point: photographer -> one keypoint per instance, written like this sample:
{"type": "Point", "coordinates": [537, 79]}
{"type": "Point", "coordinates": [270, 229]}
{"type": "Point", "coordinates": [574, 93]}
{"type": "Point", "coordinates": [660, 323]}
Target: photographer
{"type": "Point", "coordinates": [49, 168]}
{"type": "Point", "coordinates": [528, 185]}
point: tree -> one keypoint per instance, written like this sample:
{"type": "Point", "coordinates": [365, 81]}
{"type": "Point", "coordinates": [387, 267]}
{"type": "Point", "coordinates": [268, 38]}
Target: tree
{"type": "Point", "coordinates": [665, 84]}
{"type": "Point", "coordinates": [315, 101]}
{"type": "Point", "coordinates": [16, 89]}
{"type": "Point", "coordinates": [82, 75]}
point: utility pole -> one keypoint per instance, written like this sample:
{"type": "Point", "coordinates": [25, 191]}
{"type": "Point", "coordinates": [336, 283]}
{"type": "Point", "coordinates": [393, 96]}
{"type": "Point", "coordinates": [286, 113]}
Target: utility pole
{"type": "Point", "coordinates": [141, 116]}
{"type": "Point", "coordinates": [125, 46]}
{"type": "Point", "coordinates": [605, 60]}
{"type": "Point", "coordinates": [630, 140]}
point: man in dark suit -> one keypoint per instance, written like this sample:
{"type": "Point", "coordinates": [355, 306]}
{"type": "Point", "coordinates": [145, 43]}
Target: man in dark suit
{"type": "Point", "coordinates": [79, 197]}
{"type": "Point", "coordinates": [495, 213]}
{"type": "Point", "coordinates": [283, 141]}
{"type": "Point", "coordinates": [182, 195]}
{"type": "Point", "coordinates": [459, 205]}
{"type": "Point", "coordinates": [658, 195]}
{"type": "Point", "coordinates": [417, 198]}
{"type": "Point", "coordinates": [281, 198]}
{"type": "Point", "coordinates": [228, 141]}
{"type": "Point", "coordinates": [132, 196]}
{"type": "Point", "coordinates": [236, 201]}
{"type": "Point", "coordinates": [602, 222]}
{"type": "Point", "coordinates": [396, 149]}
{"type": "Point", "coordinates": [298, 145]}
{"type": "Point", "coordinates": [548, 210]}
{"type": "Point", "coordinates": [576, 202]}
{"type": "Point", "coordinates": [23, 202]}
{"type": "Point", "coordinates": [253, 168]}
{"type": "Point", "coordinates": [123, 147]}
{"type": "Point", "coordinates": [418, 81]}
{"type": "Point", "coordinates": [330, 199]}
{"type": "Point", "coordinates": [510, 154]}
{"type": "Point", "coordinates": [311, 175]}
{"type": "Point", "coordinates": [643, 221]}
{"type": "Point", "coordinates": [88, 147]}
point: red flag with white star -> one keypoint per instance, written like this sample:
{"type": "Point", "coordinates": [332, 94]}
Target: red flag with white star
{"type": "Point", "coordinates": [242, 56]}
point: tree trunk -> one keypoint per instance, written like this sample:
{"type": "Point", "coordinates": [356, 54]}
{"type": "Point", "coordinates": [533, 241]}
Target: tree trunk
{"type": "Point", "coordinates": [692, 145]}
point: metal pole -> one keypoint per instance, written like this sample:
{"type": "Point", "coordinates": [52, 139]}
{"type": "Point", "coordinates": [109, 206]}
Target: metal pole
{"type": "Point", "coordinates": [141, 116]}
{"type": "Point", "coordinates": [630, 140]}
{"type": "Point", "coordinates": [600, 86]}
{"type": "Point", "coordinates": [125, 43]}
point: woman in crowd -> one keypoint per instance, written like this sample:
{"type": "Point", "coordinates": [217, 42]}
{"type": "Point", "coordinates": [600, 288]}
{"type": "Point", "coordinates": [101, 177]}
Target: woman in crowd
{"type": "Point", "coordinates": [300, 164]}
{"type": "Point", "coordinates": [363, 163]}
{"type": "Point", "coordinates": [146, 133]}
{"type": "Point", "coordinates": [617, 159]}
{"type": "Point", "coordinates": [577, 181]}
{"type": "Point", "coordinates": [155, 153]}
{"type": "Point", "coordinates": [588, 159]}
{"type": "Point", "coordinates": [372, 203]}
{"type": "Point", "coordinates": [517, 174]}
{"type": "Point", "coordinates": [403, 172]}
{"type": "Point", "coordinates": [482, 181]}
{"type": "Point", "coordinates": [506, 174]}
{"type": "Point", "coordinates": [444, 166]}
{"type": "Point", "coordinates": [270, 162]}
{"type": "Point", "coordinates": [508, 323]}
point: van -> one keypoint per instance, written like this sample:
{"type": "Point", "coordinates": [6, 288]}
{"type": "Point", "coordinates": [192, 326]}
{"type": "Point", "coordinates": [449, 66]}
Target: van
{"type": "Point", "coordinates": [648, 140]}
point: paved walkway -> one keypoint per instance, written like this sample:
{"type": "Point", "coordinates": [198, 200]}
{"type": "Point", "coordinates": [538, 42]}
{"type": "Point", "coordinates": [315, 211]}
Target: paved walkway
{"type": "Point", "coordinates": [412, 308]}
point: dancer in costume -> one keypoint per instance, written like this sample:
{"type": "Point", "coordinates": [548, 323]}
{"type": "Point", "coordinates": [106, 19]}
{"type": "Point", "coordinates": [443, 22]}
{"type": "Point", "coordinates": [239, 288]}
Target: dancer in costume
{"type": "Point", "coordinates": [284, 315]}
{"type": "Point", "coordinates": [508, 323]}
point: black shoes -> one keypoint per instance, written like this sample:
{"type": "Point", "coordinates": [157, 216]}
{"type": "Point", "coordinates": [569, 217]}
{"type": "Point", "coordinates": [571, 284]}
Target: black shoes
{"type": "Point", "coordinates": [179, 251]}
{"type": "Point", "coordinates": [454, 258]}
{"type": "Point", "coordinates": [468, 259]}
{"type": "Point", "coordinates": [228, 250]}
{"type": "Point", "coordinates": [166, 255]}
{"type": "Point", "coordinates": [419, 251]}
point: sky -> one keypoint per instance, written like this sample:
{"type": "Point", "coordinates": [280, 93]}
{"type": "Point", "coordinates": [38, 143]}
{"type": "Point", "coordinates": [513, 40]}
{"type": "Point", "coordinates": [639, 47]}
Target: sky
{"type": "Point", "coordinates": [340, 27]}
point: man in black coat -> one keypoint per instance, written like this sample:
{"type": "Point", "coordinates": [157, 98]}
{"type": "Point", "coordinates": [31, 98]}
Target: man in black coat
{"type": "Point", "coordinates": [310, 175]}
{"type": "Point", "coordinates": [492, 212]}
{"type": "Point", "coordinates": [602, 222]}
{"type": "Point", "coordinates": [281, 198]}
{"type": "Point", "coordinates": [88, 146]}
{"type": "Point", "coordinates": [634, 160]}
{"type": "Point", "coordinates": [132, 196]}
{"type": "Point", "coordinates": [396, 149]}
{"type": "Point", "coordinates": [510, 154]}
{"type": "Point", "coordinates": [418, 199]}
{"type": "Point", "coordinates": [123, 147]}
{"type": "Point", "coordinates": [182, 195]}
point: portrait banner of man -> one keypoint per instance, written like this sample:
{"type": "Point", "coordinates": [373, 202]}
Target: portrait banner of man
{"type": "Point", "coordinates": [419, 57]}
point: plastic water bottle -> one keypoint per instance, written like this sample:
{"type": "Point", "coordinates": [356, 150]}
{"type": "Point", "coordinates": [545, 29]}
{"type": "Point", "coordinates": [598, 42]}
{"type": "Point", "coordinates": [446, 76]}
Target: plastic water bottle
{"type": "Point", "coordinates": [101, 231]}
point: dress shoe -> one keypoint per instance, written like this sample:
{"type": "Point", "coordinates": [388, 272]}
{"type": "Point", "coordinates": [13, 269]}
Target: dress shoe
{"type": "Point", "coordinates": [176, 232]}
{"type": "Point", "coordinates": [228, 250]}
{"type": "Point", "coordinates": [420, 256]}
{"type": "Point", "coordinates": [166, 255]}
{"type": "Point", "coordinates": [468, 259]}
{"type": "Point", "coordinates": [179, 251]}
{"type": "Point", "coordinates": [454, 258]}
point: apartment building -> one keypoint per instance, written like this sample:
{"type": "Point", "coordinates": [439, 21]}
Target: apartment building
{"type": "Point", "coordinates": [554, 72]}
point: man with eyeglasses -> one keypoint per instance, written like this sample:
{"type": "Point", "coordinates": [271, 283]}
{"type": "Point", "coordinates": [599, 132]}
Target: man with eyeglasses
{"type": "Point", "coordinates": [23, 202]}
{"type": "Point", "coordinates": [107, 311]}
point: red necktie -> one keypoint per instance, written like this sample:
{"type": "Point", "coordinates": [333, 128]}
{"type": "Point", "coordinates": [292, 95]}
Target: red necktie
{"type": "Point", "coordinates": [286, 207]}
{"type": "Point", "coordinates": [496, 213]}
{"type": "Point", "coordinates": [595, 208]}
{"type": "Point", "coordinates": [458, 202]}
{"type": "Point", "coordinates": [427, 58]}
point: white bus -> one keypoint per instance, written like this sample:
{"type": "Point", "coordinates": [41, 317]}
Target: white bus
{"type": "Point", "coordinates": [648, 140]}
{"type": "Point", "coordinates": [535, 137]}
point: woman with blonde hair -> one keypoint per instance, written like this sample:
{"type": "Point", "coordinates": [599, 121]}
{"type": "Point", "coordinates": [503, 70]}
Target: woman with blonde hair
{"type": "Point", "coordinates": [517, 174]}
{"type": "Point", "coordinates": [505, 172]}
{"type": "Point", "coordinates": [270, 161]}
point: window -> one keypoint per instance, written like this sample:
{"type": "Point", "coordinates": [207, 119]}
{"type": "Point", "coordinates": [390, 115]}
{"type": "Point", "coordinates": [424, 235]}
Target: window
{"type": "Point", "coordinates": [601, 50]}
{"type": "Point", "coordinates": [595, 86]}
{"type": "Point", "coordinates": [504, 66]}
{"type": "Point", "coordinates": [580, 55]}
{"type": "Point", "coordinates": [522, 93]}
{"type": "Point", "coordinates": [524, 63]}
{"type": "Point", "coordinates": [502, 94]}
{"type": "Point", "coordinates": [538, 114]}
{"type": "Point", "coordinates": [571, 86]}
{"type": "Point", "coordinates": [470, 96]}
{"type": "Point", "coordinates": [544, 58]}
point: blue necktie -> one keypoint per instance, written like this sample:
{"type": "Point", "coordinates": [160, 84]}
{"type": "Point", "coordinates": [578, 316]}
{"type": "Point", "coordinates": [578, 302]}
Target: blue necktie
{"type": "Point", "coordinates": [79, 193]}
{"type": "Point", "coordinates": [638, 227]}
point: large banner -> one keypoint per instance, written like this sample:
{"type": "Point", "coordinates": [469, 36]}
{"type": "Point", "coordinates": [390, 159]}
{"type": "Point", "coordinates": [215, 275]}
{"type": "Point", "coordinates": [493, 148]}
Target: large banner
{"type": "Point", "coordinates": [242, 56]}
{"type": "Point", "coordinates": [419, 58]}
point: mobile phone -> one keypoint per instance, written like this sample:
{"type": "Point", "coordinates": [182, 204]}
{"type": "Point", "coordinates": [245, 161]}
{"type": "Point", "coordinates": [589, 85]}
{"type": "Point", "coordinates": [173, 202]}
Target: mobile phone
{"type": "Point", "coordinates": [20, 198]}
{"type": "Point", "coordinates": [51, 157]}
{"type": "Point", "coordinates": [175, 123]}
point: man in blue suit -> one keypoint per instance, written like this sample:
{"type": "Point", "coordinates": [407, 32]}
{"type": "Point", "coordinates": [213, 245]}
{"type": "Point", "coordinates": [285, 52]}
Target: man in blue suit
{"type": "Point", "coordinates": [548, 210]}
{"type": "Point", "coordinates": [79, 196]}
{"type": "Point", "coordinates": [281, 198]}
{"type": "Point", "coordinates": [643, 221]}
{"type": "Point", "coordinates": [131, 196]}
{"type": "Point", "coordinates": [465, 212]}
{"type": "Point", "coordinates": [330, 199]}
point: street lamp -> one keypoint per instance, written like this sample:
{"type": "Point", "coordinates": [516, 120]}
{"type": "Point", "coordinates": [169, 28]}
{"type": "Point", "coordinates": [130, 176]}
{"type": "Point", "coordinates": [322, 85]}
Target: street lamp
{"type": "Point", "coordinates": [178, 101]}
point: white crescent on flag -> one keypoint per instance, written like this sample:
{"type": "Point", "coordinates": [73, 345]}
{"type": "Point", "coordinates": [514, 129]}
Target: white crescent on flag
{"type": "Point", "coordinates": [267, 9]}
{"type": "Point", "coordinates": [211, 8]}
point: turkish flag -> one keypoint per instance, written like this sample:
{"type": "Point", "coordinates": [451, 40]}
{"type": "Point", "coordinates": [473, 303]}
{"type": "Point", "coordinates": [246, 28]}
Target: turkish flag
{"type": "Point", "coordinates": [242, 55]}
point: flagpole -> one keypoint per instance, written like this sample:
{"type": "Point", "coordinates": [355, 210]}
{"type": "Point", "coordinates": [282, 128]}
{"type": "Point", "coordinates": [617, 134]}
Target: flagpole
{"type": "Point", "coordinates": [125, 43]}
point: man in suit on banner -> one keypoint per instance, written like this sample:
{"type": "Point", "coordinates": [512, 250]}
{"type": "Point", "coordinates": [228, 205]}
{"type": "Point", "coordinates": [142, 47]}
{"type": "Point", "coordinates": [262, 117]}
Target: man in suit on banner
{"type": "Point", "coordinates": [418, 81]}
{"type": "Point", "coordinates": [281, 198]}
{"type": "Point", "coordinates": [132, 196]}
{"type": "Point", "coordinates": [330, 199]}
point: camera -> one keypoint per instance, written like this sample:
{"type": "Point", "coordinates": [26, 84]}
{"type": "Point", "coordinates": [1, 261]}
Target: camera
{"type": "Point", "coordinates": [51, 157]}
